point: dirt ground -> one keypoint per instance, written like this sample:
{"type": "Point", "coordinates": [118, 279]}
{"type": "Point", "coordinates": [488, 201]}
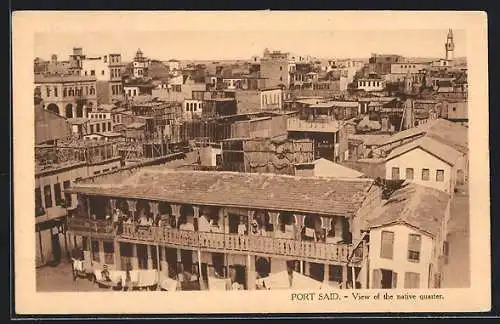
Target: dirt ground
{"type": "Point", "coordinates": [60, 279]}
{"type": "Point", "coordinates": [456, 274]}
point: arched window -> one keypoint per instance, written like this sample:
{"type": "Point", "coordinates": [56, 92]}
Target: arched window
{"type": "Point", "coordinates": [92, 90]}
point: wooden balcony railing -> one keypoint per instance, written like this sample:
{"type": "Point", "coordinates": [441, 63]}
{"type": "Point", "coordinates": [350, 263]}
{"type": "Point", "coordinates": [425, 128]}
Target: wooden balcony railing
{"type": "Point", "coordinates": [85, 225]}
{"type": "Point", "coordinates": [244, 243]}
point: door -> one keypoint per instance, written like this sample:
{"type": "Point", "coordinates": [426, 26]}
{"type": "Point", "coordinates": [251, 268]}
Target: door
{"type": "Point", "coordinates": [234, 221]}
{"type": "Point", "coordinates": [389, 279]}
{"type": "Point", "coordinates": [187, 260]}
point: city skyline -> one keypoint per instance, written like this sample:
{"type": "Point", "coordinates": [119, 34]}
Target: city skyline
{"type": "Point", "coordinates": [210, 45]}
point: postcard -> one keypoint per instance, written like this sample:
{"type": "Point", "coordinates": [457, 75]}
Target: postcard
{"type": "Point", "coordinates": [250, 162]}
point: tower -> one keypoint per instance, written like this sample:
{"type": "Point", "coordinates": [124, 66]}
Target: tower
{"type": "Point", "coordinates": [449, 46]}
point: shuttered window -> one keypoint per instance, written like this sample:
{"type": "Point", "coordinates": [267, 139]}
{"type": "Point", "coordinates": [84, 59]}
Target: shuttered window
{"type": "Point", "coordinates": [412, 280]}
{"type": "Point", "coordinates": [409, 173]}
{"type": "Point", "coordinates": [387, 245]}
{"type": "Point", "coordinates": [48, 196]}
{"type": "Point", "coordinates": [414, 245]}
{"type": "Point", "coordinates": [395, 173]}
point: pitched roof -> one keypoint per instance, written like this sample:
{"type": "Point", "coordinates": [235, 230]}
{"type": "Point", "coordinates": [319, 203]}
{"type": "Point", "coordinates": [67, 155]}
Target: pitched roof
{"type": "Point", "coordinates": [369, 139]}
{"type": "Point", "coordinates": [414, 205]}
{"type": "Point", "coordinates": [441, 130]}
{"type": "Point", "coordinates": [245, 190]}
{"type": "Point", "coordinates": [442, 151]}
{"type": "Point", "coordinates": [327, 168]}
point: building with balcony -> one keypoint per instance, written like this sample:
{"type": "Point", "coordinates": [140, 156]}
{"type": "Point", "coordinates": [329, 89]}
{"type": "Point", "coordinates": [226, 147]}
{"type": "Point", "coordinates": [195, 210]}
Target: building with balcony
{"type": "Point", "coordinates": [57, 167]}
{"type": "Point", "coordinates": [68, 96]}
{"type": "Point", "coordinates": [206, 223]}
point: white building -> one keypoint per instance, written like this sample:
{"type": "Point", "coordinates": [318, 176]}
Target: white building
{"type": "Point", "coordinates": [140, 65]}
{"type": "Point", "coordinates": [371, 84]}
{"type": "Point", "coordinates": [407, 242]}
{"type": "Point", "coordinates": [173, 65]}
{"type": "Point", "coordinates": [427, 162]}
{"type": "Point", "coordinates": [192, 108]}
{"type": "Point", "coordinates": [271, 99]}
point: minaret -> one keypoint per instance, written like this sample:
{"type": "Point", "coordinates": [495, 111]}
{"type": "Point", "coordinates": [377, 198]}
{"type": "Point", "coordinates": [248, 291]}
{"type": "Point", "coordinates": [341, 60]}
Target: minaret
{"type": "Point", "coordinates": [449, 46]}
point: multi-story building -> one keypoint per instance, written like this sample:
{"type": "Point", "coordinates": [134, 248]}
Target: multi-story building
{"type": "Point", "coordinates": [56, 169]}
{"type": "Point", "coordinates": [381, 64]}
{"type": "Point", "coordinates": [108, 71]}
{"type": "Point", "coordinates": [371, 84]}
{"type": "Point", "coordinates": [274, 67]}
{"type": "Point", "coordinates": [199, 224]}
{"type": "Point", "coordinates": [320, 238]}
{"type": "Point", "coordinates": [140, 65]}
{"type": "Point", "coordinates": [70, 96]}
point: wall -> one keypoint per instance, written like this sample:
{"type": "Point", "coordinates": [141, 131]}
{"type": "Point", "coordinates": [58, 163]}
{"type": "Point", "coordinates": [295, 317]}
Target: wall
{"type": "Point", "coordinates": [418, 159]}
{"type": "Point", "coordinates": [247, 101]}
{"type": "Point", "coordinates": [266, 155]}
{"type": "Point", "coordinates": [50, 126]}
{"type": "Point", "coordinates": [103, 92]}
{"type": "Point", "coordinates": [400, 263]}
{"type": "Point", "coordinates": [101, 70]}
{"type": "Point", "coordinates": [275, 71]}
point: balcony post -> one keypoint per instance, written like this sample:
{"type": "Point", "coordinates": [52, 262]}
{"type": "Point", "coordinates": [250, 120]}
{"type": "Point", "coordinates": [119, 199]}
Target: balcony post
{"type": "Point", "coordinates": [102, 259]}
{"type": "Point", "coordinates": [153, 207]}
{"type": "Point", "coordinates": [298, 227]}
{"type": "Point", "coordinates": [112, 204]}
{"type": "Point", "coordinates": [274, 216]}
{"type": "Point", "coordinates": [327, 225]}
{"type": "Point", "coordinates": [117, 254]}
{"type": "Point", "coordinates": [164, 264]}
{"type": "Point", "coordinates": [176, 212]}
{"type": "Point", "coordinates": [251, 275]}
{"type": "Point", "coordinates": [344, 276]}
{"type": "Point", "coordinates": [326, 277]}
{"type": "Point", "coordinates": [135, 260]}
{"type": "Point", "coordinates": [150, 257]}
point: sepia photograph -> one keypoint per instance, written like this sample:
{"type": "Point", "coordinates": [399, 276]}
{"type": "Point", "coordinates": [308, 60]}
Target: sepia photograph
{"type": "Point", "coordinates": [312, 165]}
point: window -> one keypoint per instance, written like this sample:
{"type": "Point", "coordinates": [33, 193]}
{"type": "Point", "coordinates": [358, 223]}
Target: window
{"type": "Point", "coordinates": [91, 129]}
{"type": "Point", "coordinates": [412, 280]}
{"type": "Point", "coordinates": [425, 174]}
{"type": "Point", "coordinates": [98, 128]}
{"type": "Point", "coordinates": [48, 91]}
{"type": "Point", "coordinates": [65, 92]}
{"type": "Point", "coordinates": [409, 173]}
{"type": "Point", "coordinates": [57, 194]}
{"type": "Point", "coordinates": [109, 126]}
{"type": "Point", "coordinates": [92, 90]}
{"type": "Point", "coordinates": [48, 196]}
{"type": "Point", "coordinates": [92, 72]}
{"type": "Point", "coordinates": [395, 173]}
{"type": "Point", "coordinates": [67, 196]}
{"type": "Point", "coordinates": [108, 253]}
{"type": "Point", "coordinates": [38, 198]}
{"type": "Point", "coordinates": [281, 68]}
{"type": "Point", "coordinates": [440, 175]}
{"type": "Point", "coordinates": [55, 92]}
{"type": "Point", "coordinates": [102, 72]}
{"type": "Point", "coordinates": [281, 78]}
{"type": "Point", "coordinates": [414, 244]}
{"type": "Point", "coordinates": [97, 172]}
{"type": "Point", "coordinates": [103, 127]}
{"type": "Point", "coordinates": [387, 245]}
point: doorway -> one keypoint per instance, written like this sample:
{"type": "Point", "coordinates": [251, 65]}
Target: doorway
{"type": "Point", "coordinates": [56, 248]}
{"type": "Point", "coordinates": [388, 279]}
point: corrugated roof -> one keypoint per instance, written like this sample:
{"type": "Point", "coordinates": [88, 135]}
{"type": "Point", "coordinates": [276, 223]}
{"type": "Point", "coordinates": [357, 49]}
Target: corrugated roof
{"type": "Point", "coordinates": [246, 190]}
{"type": "Point", "coordinates": [415, 205]}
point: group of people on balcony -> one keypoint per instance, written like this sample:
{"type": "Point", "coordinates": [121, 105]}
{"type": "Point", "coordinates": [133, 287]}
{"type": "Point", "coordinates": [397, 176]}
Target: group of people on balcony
{"type": "Point", "coordinates": [260, 224]}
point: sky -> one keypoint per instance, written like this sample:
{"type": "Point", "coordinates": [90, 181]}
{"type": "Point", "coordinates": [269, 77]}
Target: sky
{"type": "Point", "coordinates": [243, 44]}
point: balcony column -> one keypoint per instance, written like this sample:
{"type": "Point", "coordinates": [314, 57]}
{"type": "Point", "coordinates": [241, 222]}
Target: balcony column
{"type": "Point", "coordinates": [327, 225]}
{"type": "Point", "coordinates": [298, 226]}
{"type": "Point", "coordinates": [117, 254]}
{"type": "Point", "coordinates": [135, 260]}
{"type": "Point", "coordinates": [112, 204]}
{"type": "Point", "coordinates": [176, 212]}
{"type": "Point", "coordinates": [102, 259]}
{"type": "Point", "coordinates": [164, 264]}
{"type": "Point", "coordinates": [150, 256]}
{"type": "Point", "coordinates": [344, 276]}
{"type": "Point", "coordinates": [251, 274]}
{"type": "Point", "coordinates": [326, 277]}
{"type": "Point", "coordinates": [275, 220]}
{"type": "Point", "coordinates": [154, 207]}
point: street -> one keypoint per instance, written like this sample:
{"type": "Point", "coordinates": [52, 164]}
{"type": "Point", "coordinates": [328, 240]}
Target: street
{"type": "Point", "coordinates": [456, 274]}
{"type": "Point", "coordinates": [60, 279]}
